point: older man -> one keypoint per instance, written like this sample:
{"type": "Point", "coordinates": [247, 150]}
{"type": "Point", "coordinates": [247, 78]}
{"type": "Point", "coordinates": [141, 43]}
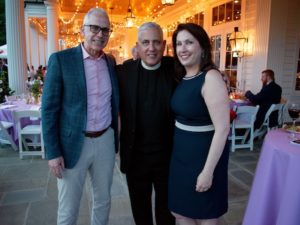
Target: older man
{"type": "Point", "coordinates": [79, 117]}
{"type": "Point", "coordinates": [146, 87]}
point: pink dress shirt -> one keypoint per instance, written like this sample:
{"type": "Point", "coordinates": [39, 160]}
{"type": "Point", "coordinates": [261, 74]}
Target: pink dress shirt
{"type": "Point", "coordinates": [99, 92]}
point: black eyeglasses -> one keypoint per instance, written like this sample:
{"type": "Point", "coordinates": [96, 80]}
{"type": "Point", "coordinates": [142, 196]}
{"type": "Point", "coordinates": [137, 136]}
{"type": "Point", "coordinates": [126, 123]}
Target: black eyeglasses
{"type": "Point", "coordinates": [96, 29]}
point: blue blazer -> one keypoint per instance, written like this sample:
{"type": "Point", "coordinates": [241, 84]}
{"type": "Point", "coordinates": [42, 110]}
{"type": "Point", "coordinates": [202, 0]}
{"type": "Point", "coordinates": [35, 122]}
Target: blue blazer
{"type": "Point", "coordinates": [64, 105]}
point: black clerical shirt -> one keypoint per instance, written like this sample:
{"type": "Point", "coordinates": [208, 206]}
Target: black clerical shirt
{"type": "Point", "coordinates": [154, 117]}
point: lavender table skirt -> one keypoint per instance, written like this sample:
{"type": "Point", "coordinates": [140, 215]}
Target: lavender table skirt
{"type": "Point", "coordinates": [239, 103]}
{"type": "Point", "coordinates": [275, 193]}
{"type": "Point", "coordinates": [6, 114]}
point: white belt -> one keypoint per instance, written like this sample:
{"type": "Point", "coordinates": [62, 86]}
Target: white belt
{"type": "Point", "coordinates": [195, 128]}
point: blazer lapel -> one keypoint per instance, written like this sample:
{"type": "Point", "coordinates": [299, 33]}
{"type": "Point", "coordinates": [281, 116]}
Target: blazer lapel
{"type": "Point", "coordinates": [79, 68]}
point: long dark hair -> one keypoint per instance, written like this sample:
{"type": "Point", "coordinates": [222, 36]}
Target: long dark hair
{"type": "Point", "coordinates": [201, 36]}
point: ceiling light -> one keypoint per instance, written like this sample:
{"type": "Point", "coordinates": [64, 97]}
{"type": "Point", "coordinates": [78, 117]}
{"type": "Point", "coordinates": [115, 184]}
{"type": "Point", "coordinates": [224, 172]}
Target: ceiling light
{"type": "Point", "coordinates": [168, 2]}
{"type": "Point", "coordinates": [130, 17]}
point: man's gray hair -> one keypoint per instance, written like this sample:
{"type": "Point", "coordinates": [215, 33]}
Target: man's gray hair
{"type": "Point", "coordinates": [150, 25]}
{"type": "Point", "coordinates": [96, 12]}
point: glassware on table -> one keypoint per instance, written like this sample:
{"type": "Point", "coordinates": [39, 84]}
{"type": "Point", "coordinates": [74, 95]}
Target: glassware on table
{"type": "Point", "coordinates": [28, 98]}
{"type": "Point", "coordinates": [294, 113]}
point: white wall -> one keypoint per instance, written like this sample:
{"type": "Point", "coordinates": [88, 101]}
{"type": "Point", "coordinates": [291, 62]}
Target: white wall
{"type": "Point", "coordinates": [248, 64]}
{"type": "Point", "coordinates": [258, 26]}
{"type": "Point", "coordinates": [285, 30]}
{"type": "Point", "coordinates": [34, 47]}
{"type": "Point", "coordinates": [32, 39]}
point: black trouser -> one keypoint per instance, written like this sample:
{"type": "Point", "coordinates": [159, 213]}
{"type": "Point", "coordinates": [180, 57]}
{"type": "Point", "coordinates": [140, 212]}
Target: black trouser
{"type": "Point", "coordinates": [149, 171]}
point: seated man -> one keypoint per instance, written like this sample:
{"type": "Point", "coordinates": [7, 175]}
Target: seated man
{"type": "Point", "coordinates": [268, 95]}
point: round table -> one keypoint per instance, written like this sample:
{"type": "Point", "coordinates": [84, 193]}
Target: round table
{"type": "Point", "coordinates": [275, 193]}
{"type": "Point", "coordinates": [239, 102]}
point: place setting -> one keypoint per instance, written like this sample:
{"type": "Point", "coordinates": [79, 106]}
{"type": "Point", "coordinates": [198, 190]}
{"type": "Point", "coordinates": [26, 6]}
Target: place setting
{"type": "Point", "coordinates": [293, 129]}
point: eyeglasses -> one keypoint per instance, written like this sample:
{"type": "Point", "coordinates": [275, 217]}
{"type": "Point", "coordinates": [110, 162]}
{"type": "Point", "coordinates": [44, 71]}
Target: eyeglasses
{"type": "Point", "coordinates": [96, 29]}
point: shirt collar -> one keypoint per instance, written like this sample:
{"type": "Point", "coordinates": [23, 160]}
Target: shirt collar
{"type": "Point", "coordinates": [87, 55]}
{"type": "Point", "coordinates": [155, 67]}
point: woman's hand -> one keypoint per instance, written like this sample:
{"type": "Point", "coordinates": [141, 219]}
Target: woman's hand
{"type": "Point", "coordinates": [204, 181]}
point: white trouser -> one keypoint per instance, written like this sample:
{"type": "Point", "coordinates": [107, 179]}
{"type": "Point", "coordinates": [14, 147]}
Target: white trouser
{"type": "Point", "coordinates": [97, 158]}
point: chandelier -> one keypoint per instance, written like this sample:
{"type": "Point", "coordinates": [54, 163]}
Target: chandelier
{"type": "Point", "coordinates": [168, 2]}
{"type": "Point", "coordinates": [129, 17]}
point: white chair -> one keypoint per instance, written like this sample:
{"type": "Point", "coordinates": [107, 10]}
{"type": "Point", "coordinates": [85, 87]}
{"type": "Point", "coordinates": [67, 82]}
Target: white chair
{"type": "Point", "coordinates": [278, 107]}
{"type": "Point", "coordinates": [5, 138]}
{"type": "Point", "coordinates": [13, 97]}
{"type": "Point", "coordinates": [244, 121]}
{"type": "Point", "coordinates": [30, 135]}
{"type": "Point", "coordinates": [265, 127]}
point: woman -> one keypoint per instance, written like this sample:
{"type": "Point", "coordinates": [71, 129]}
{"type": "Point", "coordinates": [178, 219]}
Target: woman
{"type": "Point", "coordinates": [198, 171]}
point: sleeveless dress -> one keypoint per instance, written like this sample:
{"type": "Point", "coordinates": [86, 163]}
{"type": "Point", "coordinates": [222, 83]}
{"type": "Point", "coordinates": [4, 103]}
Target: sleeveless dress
{"type": "Point", "coordinates": [189, 155]}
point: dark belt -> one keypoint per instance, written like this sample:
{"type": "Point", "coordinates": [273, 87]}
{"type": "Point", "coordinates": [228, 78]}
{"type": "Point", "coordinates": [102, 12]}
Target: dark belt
{"type": "Point", "coordinates": [94, 134]}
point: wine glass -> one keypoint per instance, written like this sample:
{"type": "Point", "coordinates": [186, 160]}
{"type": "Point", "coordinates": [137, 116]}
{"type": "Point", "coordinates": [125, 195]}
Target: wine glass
{"type": "Point", "coordinates": [294, 111]}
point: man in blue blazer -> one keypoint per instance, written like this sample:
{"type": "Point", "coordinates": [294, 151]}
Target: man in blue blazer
{"type": "Point", "coordinates": [80, 120]}
{"type": "Point", "coordinates": [268, 95]}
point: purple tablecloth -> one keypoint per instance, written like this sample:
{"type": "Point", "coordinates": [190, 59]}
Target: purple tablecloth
{"type": "Point", "coordinates": [275, 193]}
{"type": "Point", "coordinates": [6, 114]}
{"type": "Point", "coordinates": [239, 103]}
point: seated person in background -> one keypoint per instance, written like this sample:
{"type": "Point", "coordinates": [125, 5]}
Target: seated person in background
{"type": "Point", "coordinates": [44, 70]}
{"type": "Point", "coordinates": [268, 95]}
{"type": "Point", "coordinates": [226, 80]}
{"type": "Point", "coordinates": [4, 68]}
{"type": "Point", "coordinates": [135, 55]}
{"type": "Point", "coordinates": [28, 73]}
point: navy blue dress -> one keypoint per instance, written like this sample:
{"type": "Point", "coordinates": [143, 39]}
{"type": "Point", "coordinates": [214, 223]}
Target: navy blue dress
{"type": "Point", "coordinates": [189, 155]}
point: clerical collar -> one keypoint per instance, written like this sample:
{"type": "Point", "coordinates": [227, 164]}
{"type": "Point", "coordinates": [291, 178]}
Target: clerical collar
{"type": "Point", "coordinates": [155, 67]}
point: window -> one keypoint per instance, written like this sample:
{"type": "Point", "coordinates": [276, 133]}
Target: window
{"type": "Point", "coordinates": [237, 6]}
{"type": "Point", "coordinates": [222, 14]}
{"type": "Point", "coordinates": [215, 17]}
{"type": "Point", "coordinates": [216, 46]}
{"type": "Point", "coordinates": [297, 88]}
{"type": "Point", "coordinates": [230, 63]}
{"type": "Point", "coordinates": [197, 19]}
{"type": "Point", "coordinates": [227, 12]}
